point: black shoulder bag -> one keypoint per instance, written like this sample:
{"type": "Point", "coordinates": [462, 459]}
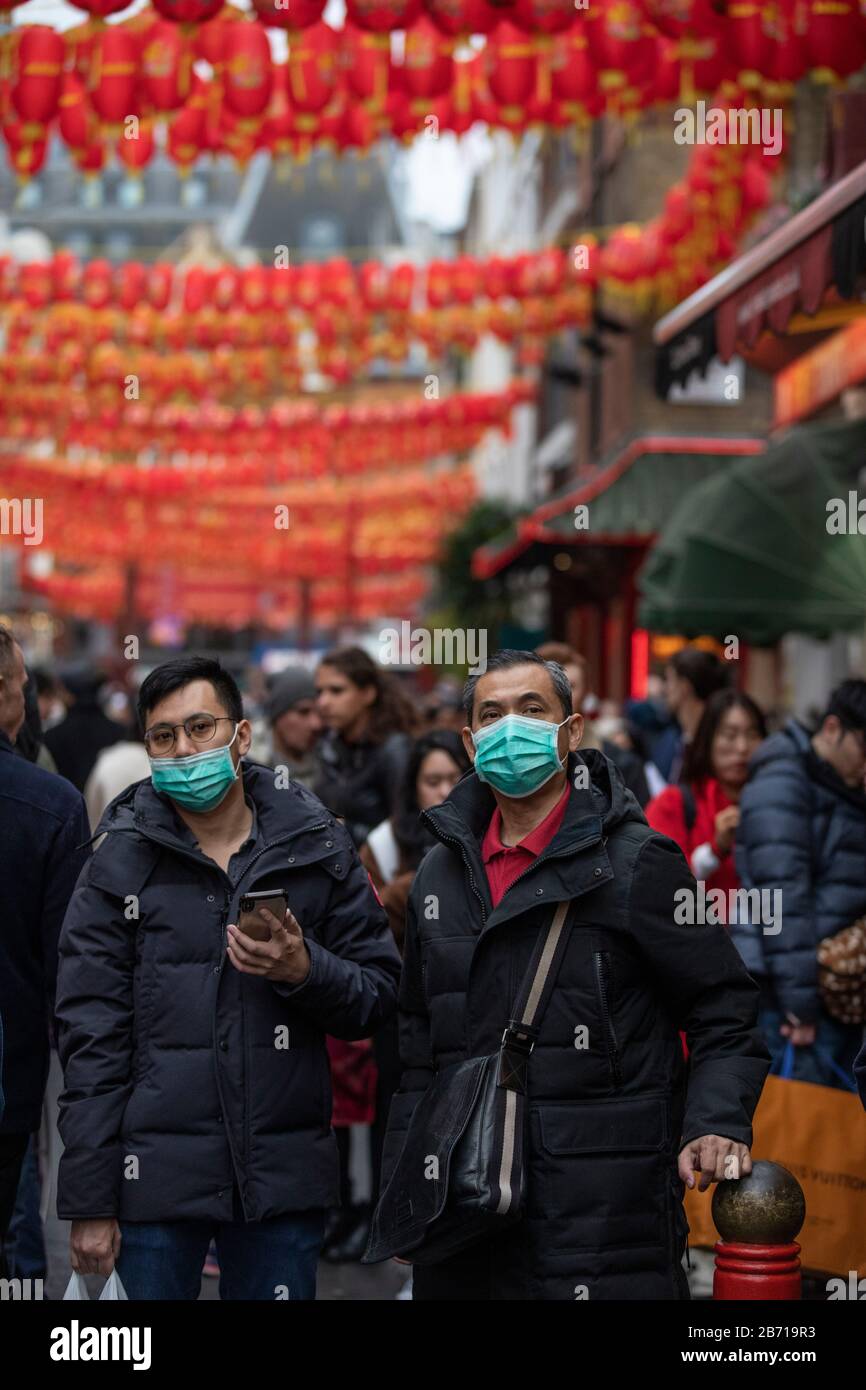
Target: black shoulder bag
{"type": "Point", "coordinates": [461, 1173]}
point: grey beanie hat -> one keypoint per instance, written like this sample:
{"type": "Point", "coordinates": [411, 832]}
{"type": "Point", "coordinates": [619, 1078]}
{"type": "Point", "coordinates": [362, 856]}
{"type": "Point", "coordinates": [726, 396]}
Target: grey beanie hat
{"type": "Point", "coordinates": [289, 688]}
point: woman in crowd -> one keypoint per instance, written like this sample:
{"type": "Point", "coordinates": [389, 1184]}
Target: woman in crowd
{"type": "Point", "coordinates": [368, 719]}
{"type": "Point", "coordinates": [391, 856]}
{"type": "Point", "coordinates": [701, 812]}
{"type": "Point", "coordinates": [361, 759]}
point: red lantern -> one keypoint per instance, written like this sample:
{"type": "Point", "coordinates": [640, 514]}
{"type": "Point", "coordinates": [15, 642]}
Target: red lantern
{"type": "Point", "coordinates": [749, 35]}
{"type": "Point", "coordinates": [510, 65]}
{"type": "Point", "coordinates": [113, 74]}
{"type": "Point", "coordinates": [75, 117]}
{"type": "Point", "coordinates": [681, 19]}
{"type": "Point", "coordinates": [188, 12]}
{"type": "Point", "coordinates": [401, 286]}
{"type": "Point", "coordinates": [572, 70]}
{"type": "Point", "coordinates": [835, 41]}
{"type": "Point", "coordinates": [383, 16]}
{"type": "Point", "coordinates": [278, 128]}
{"type": "Point", "coordinates": [373, 282]}
{"type": "Point", "coordinates": [365, 60]}
{"type": "Point", "coordinates": [159, 284]}
{"type": "Point", "coordinates": [246, 55]}
{"type": "Point", "coordinates": [543, 16]}
{"type": "Point", "coordinates": [98, 9]}
{"type": "Point", "coordinates": [166, 66]}
{"type": "Point", "coordinates": [462, 17]}
{"type": "Point", "coordinates": [135, 152]}
{"type": "Point", "coordinates": [439, 284]}
{"type": "Point", "coordinates": [787, 22]}
{"type": "Point", "coordinates": [313, 67]}
{"type": "Point", "coordinates": [132, 284]}
{"type": "Point", "coordinates": [26, 155]}
{"type": "Point", "coordinates": [620, 44]}
{"type": "Point", "coordinates": [186, 131]}
{"type": "Point", "coordinates": [97, 284]}
{"type": "Point", "coordinates": [39, 59]}
{"type": "Point", "coordinates": [291, 14]}
{"type": "Point", "coordinates": [428, 68]}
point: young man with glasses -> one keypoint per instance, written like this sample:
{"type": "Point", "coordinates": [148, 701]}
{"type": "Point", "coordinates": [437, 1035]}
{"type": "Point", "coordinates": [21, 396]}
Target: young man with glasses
{"type": "Point", "coordinates": [802, 830]}
{"type": "Point", "coordinates": [197, 1096]}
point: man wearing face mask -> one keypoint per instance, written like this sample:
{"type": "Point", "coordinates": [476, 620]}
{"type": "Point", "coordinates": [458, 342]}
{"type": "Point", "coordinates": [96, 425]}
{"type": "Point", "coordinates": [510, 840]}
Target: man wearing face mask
{"type": "Point", "coordinates": [616, 1124]}
{"type": "Point", "coordinates": [197, 1101]}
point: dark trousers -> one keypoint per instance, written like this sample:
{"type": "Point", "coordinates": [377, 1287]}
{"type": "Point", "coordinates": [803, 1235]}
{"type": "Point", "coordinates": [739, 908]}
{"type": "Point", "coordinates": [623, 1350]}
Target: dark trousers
{"type": "Point", "coordinates": [265, 1261]}
{"type": "Point", "coordinates": [12, 1150]}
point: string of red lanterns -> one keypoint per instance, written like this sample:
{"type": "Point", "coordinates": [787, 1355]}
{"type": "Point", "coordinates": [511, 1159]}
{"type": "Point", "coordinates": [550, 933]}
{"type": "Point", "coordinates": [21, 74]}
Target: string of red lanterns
{"type": "Point", "coordinates": [541, 64]}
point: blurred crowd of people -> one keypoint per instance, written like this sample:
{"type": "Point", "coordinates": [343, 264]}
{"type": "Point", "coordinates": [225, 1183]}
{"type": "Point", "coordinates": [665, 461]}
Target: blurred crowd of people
{"type": "Point", "coordinates": [780, 812]}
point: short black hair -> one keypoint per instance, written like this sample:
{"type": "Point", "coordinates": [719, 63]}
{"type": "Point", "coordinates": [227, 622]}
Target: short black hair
{"type": "Point", "coordinates": [508, 657]}
{"type": "Point", "coordinates": [183, 670]}
{"type": "Point", "coordinates": [703, 670]}
{"type": "Point", "coordinates": [848, 703]}
{"type": "Point", "coordinates": [7, 650]}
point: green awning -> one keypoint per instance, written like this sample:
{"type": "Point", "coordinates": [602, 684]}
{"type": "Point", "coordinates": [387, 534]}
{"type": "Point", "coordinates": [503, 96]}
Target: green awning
{"type": "Point", "coordinates": [749, 552]}
{"type": "Point", "coordinates": [628, 500]}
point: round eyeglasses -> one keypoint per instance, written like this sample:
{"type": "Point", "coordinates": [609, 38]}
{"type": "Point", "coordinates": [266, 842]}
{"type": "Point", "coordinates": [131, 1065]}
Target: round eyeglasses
{"type": "Point", "coordinates": [199, 728]}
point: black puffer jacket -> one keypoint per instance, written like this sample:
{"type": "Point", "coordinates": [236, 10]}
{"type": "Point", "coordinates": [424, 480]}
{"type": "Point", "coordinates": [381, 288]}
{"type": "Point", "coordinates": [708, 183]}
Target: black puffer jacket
{"type": "Point", "coordinates": [358, 781]}
{"type": "Point", "coordinates": [802, 831]}
{"type": "Point", "coordinates": [606, 1122]}
{"type": "Point", "coordinates": [172, 1056]}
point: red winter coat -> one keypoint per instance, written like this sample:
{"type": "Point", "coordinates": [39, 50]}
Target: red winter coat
{"type": "Point", "coordinates": [666, 813]}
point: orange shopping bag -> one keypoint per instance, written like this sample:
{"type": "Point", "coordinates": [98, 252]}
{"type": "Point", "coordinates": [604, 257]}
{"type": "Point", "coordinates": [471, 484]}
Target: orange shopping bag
{"type": "Point", "coordinates": [819, 1135]}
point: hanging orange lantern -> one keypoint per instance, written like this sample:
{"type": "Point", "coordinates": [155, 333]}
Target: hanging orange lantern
{"type": "Point", "coordinates": [246, 56]}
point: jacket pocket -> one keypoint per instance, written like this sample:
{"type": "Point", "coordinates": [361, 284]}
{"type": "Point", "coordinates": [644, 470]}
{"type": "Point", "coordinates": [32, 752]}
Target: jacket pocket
{"type": "Point", "coordinates": [601, 964]}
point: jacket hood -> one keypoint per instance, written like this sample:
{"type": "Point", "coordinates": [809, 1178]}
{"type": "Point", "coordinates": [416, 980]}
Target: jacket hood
{"type": "Point", "coordinates": [280, 810]}
{"type": "Point", "coordinates": [604, 805]}
{"type": "Point", "coordinates": [795, 742]}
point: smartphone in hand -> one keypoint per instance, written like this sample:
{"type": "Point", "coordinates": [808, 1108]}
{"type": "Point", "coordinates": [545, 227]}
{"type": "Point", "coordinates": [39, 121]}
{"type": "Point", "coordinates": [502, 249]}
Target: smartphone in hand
{"type": "Point", "coordinates": [250, 920]}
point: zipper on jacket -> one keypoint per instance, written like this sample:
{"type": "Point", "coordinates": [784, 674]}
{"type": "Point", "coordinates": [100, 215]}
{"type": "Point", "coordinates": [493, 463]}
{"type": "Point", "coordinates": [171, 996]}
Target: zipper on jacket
{"type": "Point", "coordinates": [453, 840]}
{"type": "Point", "coordinates": [602, 979]}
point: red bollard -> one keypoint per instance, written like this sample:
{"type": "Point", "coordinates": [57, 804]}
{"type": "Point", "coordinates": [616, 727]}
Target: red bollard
{"type": "Point", "coordinates": [757, 1271]}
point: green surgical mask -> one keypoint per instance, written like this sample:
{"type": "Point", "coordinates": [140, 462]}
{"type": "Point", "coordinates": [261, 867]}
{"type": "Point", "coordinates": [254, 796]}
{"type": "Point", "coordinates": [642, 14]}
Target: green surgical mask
{"type": "Point", "coordinates": [517, 755]}
{"type": "Point", "coordinates": [199, 782]}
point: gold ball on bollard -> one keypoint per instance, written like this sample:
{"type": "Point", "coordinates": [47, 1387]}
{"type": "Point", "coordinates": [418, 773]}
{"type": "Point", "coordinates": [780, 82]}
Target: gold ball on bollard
{"type": "Point", "coordinates": [765, 1208]}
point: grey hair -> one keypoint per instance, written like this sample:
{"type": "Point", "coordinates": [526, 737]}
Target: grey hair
{"type": "Point", "coordinates": [508, 657]}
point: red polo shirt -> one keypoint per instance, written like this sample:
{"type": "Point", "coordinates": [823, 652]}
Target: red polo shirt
{"type": "Point", "coordinates": [505, 863]}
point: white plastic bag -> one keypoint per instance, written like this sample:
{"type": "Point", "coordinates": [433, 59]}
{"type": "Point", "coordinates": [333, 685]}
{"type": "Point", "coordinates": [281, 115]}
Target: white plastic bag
{"type": "Point", "coordinates": [113, 1288]}
{"type": "Point", "coordinates": [76, 1288]}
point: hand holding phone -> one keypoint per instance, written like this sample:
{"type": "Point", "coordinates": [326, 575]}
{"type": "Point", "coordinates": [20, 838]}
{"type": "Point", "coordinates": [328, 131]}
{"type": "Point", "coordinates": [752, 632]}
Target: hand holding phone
{"type": "Point", "coordinates": [251, 922]}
